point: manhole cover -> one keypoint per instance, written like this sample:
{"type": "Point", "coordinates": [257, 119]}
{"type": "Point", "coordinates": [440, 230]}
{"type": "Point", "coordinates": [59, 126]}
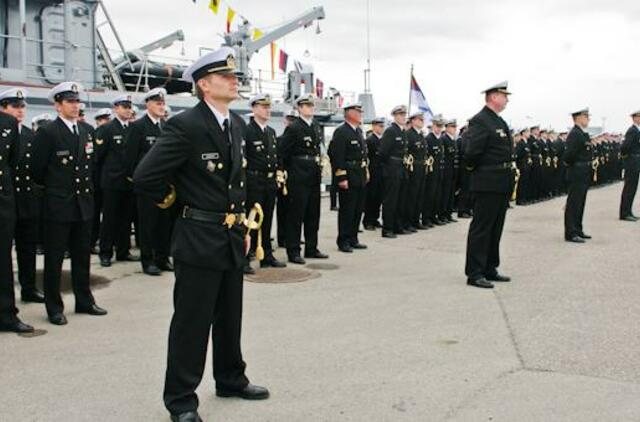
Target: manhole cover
{"type": "Point", "coordinates": [97, 281]}
{"type": "Point", "coordinates": [319, 266]}
{"type": "Point", "coordinates": [35, 333]}
{"type": "Point", "coordinates": [281, 275]}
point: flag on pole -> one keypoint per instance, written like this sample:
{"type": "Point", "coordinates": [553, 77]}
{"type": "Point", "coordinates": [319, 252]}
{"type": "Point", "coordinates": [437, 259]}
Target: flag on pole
{"type": "Point", "coordinates": [284, 57]}
{"type": "Point", "coordinates": [257, 34]}
{"type": "Point", "coordinates": [230, 15]}
{"type": "Point", "coordinates": [213, 5]}
{"type": "Point", "coordinates": [319, 88]}
{"type": "Point", "coordinates": [419, 101]}
{"type": "Point", "coordinates": [273, 60]}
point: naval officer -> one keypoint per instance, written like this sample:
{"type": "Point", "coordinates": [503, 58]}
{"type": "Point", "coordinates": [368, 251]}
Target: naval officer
{"type": "Point", "coordinates": [578, 156]}
{"type": "Point", "coordinates": [489, 153]}
{"type": "Point", "coordinates": [28, 198]}
{"type": "Point", "coordinates": [198, 158]}
{"type": "Point", "coordinates": [62, 165]}
{"type": "Point", "coordinates": [630, 150]}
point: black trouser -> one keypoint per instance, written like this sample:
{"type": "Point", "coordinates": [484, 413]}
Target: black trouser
{"type": "Point", "coordinates": [281, 215]}
{"type": "Point", "coordinates": [522, 194]}
{"type": "Point", "coordinates": [574, 210]}
{"type": "Point", "coordinates": [433, 189]}
{"type": "Point", "coordinates": [446, 196]}
{"type": "Point", "coordinates": [154, 232]}
{"type": "Point", "coordinates": [416, 194]}
{"type": "Point", "coordinates": [536, 180]}
{"type": "Point", "coordinates": [628, 192]}
{"type": "Point", "coordinates": [485, 231]}
{"type": "Point", "coordinates": [75, 236]}
{"type": "Point", "coordinates": [333, 192]}
{"type": "Point", "coordinates": [373, 200]}
{"type": "Point", "coordinates": [97, 215]}
{"type": "Point", "coordinates": [391, 197]}
{"type": "Point", "coordinates": [8, 309]}
{"type": "Point", "coordinates": [116, 223]}
{"type": "Point", "coordinates": [464, 197]}
{"type": "Point", "coordinates": [206, 302]}
{"type": "Point", "coordinates": [349, 214]}
{"type": "Point", "coordinates": [303, 208]}
{"type": "Point", "coordinates": [27, 238]}
{"type": "Point", "coordinates": [264, 193]}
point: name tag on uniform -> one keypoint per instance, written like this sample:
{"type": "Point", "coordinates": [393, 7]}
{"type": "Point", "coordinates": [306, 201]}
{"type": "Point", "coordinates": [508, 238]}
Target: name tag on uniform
{"type": "Point", "coordinates": [117, 137]}
{"type": "Point", "coordinates": [501, 133]}
{"type": "Point", "coordinates": [151, 138]}
{"type": "Point", "coordinates": [307, 138]}
{"type": "Point", "coordinates": [62, 153]}
{"type": "Point", "coordinates": [210, 156]}
{"type": "Point", "coordinates": [399, 138]}
{"type": "Point", "coordinates": [256, 143]}
{"type": "Point", "coordinates": [354, 142]}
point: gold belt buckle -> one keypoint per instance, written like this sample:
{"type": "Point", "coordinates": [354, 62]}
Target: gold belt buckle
{"type": "Point", "coordinates": [270, 175]}
{"type": "Point", "coordinates": [229, 220]}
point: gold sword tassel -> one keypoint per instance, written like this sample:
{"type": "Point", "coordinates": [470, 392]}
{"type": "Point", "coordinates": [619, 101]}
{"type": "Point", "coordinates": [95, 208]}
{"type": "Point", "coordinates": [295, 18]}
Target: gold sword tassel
{"type": "Point", "coordinates": [254, 222]}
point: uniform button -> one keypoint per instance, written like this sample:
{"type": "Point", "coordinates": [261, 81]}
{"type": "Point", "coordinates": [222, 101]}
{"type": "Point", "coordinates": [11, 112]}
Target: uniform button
{"type": "Point", "coordinates": [26, 166]}
{"type": "Point", "coordinates": [27, 155]}
{"type": "Point", "coordinates": [241, 184]}
{"type": "Point", "coordinates": [0, 172]}
{"type": "Point", "coordinates": [17, 179]}
{"type": "Point", "coordinates": [28, 178]}
{"type": "Point", "coordinates": [86, 166]}
{"type": "Point", "coordinates": [77, 168]}
{"type": "Point", "coordinates": [28, 189]}
{"type": "Point", "coordinates": [77, 192]}
{"type": "Point", "coordinates": [243, 203]}
{"type": "Point", "coordinates": [86, 190]}
{"type": "Point", "coordinates": [28, 144]}
{"type": "Point", "coordinates": [77, 180]}
{"type": "Point", "coordinates": [86, 178]}
{"type": "Point", "coordinates": [71, 158]}
{"type": "Point", "coordinates": [229, 186]}
{"type": "Point", "coordinates": [17, 189]}
{"type": "Point", "coordinates": [233, 206]}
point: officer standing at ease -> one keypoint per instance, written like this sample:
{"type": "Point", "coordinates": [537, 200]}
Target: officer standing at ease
{"type": "Point", "coordinates": [198, 159]}
{"type": "Point", "coordinates": [489, 152]}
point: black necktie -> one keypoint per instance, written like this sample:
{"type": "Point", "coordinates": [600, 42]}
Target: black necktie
{"type": "Point", "coordinates": [75, 130]}
{"type": "Point", "coordinates": [227, 132]}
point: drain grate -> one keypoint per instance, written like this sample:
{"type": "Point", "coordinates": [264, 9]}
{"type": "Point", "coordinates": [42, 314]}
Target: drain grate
{"type": "Point", "coordinates": [324, 267]}
{"type": "Point", "coordinates": [281, 275]}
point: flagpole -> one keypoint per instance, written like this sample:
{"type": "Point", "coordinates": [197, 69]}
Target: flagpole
{"type": "Point", "coordinates": [410, 80]}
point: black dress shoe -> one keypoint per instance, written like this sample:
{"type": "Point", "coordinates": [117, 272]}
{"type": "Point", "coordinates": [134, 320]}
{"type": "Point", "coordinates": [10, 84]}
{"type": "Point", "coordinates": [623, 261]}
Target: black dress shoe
{"type": "Point", "coordinates": [250, 392]}
{"type": "Point", "coordinates": [91, 310]}
{"type": "Point", "coordinates": [129, 258]}
{"type": "Point", "coordinates": [422, 227]}
{"type": "Point", "coordinates": [247, 269]}
{"type": "Point", "coordinates": [58, 319]}
{"type": "Point", "coordinates": [629, 218]}
{"type": "Point", "coordinates": [165, 265]}
{"type": "Point", "coordinates": [481, 282]}
{"type": "Point", "coordinates": [33, 295]}
{"type": "Point", "coordinates": [186, 417]}
{"type": "Point", "coordinates": [345, 248]}
{"type": "Point", "coordinates": [369, 227]}
{"type": "Point", "coordinates": [272, 262]}
{"type": "Point", "coordinates": [411, 229]}
{"type": "Point", "coordinates": [438, 222]}
{"type": "Point", "coordinates": [316, 255]}
{"type": "Point", "coordinates": [498, 277]}
{"type": "Point", "coordinates": [15, 326]}
{"type": "Point", "coordinates": [334, 208]}
{"type": "Point", "coordinates": [152, 269]}
{"type": "Point", "coordinates": [584, 236]}
{"type": "Point", "coordinates": [358, 245]}
{"type": "Point", "coordinates": [451, 219]}
{"type": "Point", "coordinates": [389, 235]}
{"type": "Point", "coordinates": [297, 259]}
{"type": "Point", "coordinates": [464, 215]}
{"type": "Point", "coordinates": [575, 239]}
{"type": "Point", "coordinates": [401, 232]}
{"type": "Point", "coordinates": [428, 224]}
{"type": "Point", "coordinates": [105, 262]}
{"type": "Point", "coordinates": [95, 251]}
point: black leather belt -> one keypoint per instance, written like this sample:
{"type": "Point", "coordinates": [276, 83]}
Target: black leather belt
{"type": "Point", "coordinates": [401, 159]}
{"type": "Point", "coordinates": [268, 175]}
{"type": "Point", "coordinates": [315, 158]}
{"type": "Point", "coordinates": [189, 213]}
{"type": "Point", "coordinates": [493, 167]}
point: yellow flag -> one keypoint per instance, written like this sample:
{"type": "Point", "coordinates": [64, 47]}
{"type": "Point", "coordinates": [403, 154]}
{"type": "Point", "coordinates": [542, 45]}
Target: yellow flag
{"type": "Point", "coordinates": [257, 34]}
{"type": "Point", "coordinates": [213, 5]}
{"type": "Point", "coordinates": [230, 15]}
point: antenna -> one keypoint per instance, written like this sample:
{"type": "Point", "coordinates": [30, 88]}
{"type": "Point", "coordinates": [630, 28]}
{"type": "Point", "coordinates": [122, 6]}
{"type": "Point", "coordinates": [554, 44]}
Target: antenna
{"type": "Point", "coordinates": [367, 71]}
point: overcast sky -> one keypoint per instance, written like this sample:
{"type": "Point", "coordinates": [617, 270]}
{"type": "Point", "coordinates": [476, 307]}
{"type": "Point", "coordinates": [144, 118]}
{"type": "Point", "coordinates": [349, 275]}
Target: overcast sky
{"type": "Point", "coordinates": [558, 55]}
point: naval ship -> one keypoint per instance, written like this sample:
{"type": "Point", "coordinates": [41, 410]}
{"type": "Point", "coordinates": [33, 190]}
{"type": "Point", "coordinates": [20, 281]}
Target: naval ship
{"type": "Point", "coordinates": [45, 42]}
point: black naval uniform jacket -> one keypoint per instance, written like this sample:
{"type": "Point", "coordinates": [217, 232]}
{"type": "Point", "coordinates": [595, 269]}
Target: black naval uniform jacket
{"type": "Point", "coordinates": [436, 150]}
{"type": "Point", "coordinates": [417, 147]}
{"type": "Point", "coordinates": [262, 156]}
{"type": "Point", "coordinates": [142, 135]}
{"type": "Point", "coordinates": [114, 156]}
{"type": "Point", "coordinates": [349, 156]}
{"type": "Point", "coordinates": [394, 148]}
{"type": "Point", "coordinates": [630, 149]}
{"type": "Point", "coordinates": [63, 164]}
{"type": "Point", "coordinates": [194, 155]}
{"type": "Point", "coordinates": [28, 195]}
{"type": "Point", "coordinates": [8, 157]}
{"type": "Point", "coordinates": [449, 149]}
{"type": "Point", "coordinates": [523, 154]}
{"type": "Point", "coordinates": [299, 148]}
{"type": "Point", "coordinates": [578, 155]}
{"type": "Point", "coordinates": [490, 152]}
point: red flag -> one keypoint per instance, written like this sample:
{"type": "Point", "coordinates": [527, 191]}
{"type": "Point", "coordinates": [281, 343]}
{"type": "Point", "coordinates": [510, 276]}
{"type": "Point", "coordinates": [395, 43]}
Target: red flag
{"type": "Point", "coordinates": [284, 57]}
{"type": "Point", "coordinates": [319, 88]}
